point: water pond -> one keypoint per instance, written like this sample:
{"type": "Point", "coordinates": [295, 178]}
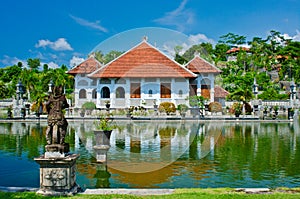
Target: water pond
{"type": "Point", "coordinates": [163, 154]}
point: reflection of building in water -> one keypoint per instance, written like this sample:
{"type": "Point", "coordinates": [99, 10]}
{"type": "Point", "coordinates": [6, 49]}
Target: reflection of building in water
{"type": "Point", "coordinates": [241, 146]}
{"type": "Point", "coordinates": [161, 141]}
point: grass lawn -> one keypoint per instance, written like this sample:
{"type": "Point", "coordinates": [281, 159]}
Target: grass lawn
{"type": "Point", "coordinates": [283, 193]}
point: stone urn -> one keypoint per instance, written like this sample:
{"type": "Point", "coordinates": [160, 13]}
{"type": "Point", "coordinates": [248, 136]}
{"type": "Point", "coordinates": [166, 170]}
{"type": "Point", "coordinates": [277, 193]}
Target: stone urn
{"type": "Point", "coordinates": [102, 137]}
{"type": "Point", "coordinates": [102, 145]}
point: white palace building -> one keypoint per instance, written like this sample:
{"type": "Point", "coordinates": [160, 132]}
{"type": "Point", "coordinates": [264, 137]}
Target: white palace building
{"type": "Point", "coordinates": [144, 75]}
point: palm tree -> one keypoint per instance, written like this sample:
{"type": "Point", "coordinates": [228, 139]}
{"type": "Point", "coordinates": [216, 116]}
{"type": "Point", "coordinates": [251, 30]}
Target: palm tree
{"type": "Point", "coordinates": [241, 95]}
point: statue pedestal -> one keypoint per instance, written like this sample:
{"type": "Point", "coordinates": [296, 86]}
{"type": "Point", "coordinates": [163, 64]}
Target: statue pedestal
{"type": "Point", "coordinates": [56, 150]}
{"type": "Point", "coordinates": [101, 153]}
{"type": "Point", "coordinates": [57, 174]}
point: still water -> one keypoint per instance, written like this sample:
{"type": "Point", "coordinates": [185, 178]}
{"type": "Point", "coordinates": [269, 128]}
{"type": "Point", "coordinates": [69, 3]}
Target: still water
{"type": "Point", "coordinates": [163, 154]}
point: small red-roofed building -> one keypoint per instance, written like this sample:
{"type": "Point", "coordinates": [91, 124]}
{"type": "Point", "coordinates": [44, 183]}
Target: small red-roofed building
{"type": "Point", "coordinates": [204, 83]}
{"type": "Point", "coordinates": [220, 95]}
{"type": "Point", "coordinates": [85, 87]}
{"type": "Point", "coordinates": [142, 75]}
{"type": "Point", "coordinates": [232, 53]}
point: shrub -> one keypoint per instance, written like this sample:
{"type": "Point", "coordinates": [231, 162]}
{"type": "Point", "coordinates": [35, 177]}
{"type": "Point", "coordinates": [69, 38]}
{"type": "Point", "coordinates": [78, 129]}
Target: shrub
{"type": "Point", "coordinates": [167, 107]}
{"type": "Point", "coordinates": [89, 106]}
{"type": "Point", "coordinates": [215, 107]}
{"type": "Point", "coordinates": [236, 108]}
{"type": "Point", "coordinates": [182, 108]}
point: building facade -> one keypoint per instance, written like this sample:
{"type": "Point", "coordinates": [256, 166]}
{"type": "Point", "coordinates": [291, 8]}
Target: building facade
{"type": "Point", "coordinates": [142, 76]}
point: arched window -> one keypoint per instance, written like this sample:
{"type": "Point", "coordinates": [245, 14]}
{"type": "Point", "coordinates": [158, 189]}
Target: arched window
{"type": "Point", "coordinates": [180, 93]}
{"type": "Point", "coordinates": [120, 92]}
{"type": "Point", "coordinates": [94, 94]}
{"type": "Point", "coordinates": [105, 92]}
{"type": "Point", "coordinates": [150, 92]}
{"type": "Point", "coordinates": [82, 94]}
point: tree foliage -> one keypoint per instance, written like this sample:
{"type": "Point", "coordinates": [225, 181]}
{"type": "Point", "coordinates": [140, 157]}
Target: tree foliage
{"type": "Point", "coordinates": [35, 81]}
{"type": "Point", "coordinates": [104, 59]}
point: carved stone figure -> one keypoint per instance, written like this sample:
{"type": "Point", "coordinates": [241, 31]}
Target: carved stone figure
{"type": "Point", "coordinates": [57, 123]}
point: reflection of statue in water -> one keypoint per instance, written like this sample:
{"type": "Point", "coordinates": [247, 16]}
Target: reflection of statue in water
{"type": "Point", "coordinates": [57, 123]}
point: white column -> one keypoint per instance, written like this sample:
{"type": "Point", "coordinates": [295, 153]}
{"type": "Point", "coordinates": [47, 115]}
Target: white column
{"type": "Point", "coordinates": [127, 93]}
{"type": "Point", "coordinates": [212, 88]}
{"type": "Point", "coordinates": [199, 82]}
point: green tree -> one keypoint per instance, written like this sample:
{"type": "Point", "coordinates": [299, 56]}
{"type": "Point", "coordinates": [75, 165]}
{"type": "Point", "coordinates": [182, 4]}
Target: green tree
{"type": "Point", "coordinates": [205, 50]}
{"type": "Point", "coordinates": [3, 90]}
{"type": "Point", "coordinates": [112, 55]}
{"type": "Point", "coordinates": [232, 39]}
{"type": "Point", "coordinates": [272, 94]}
{"type": "Point", "coordinates": [98, 56]}
{"type": "Point", "coordinates": [290, 61]}
{"type": "Point", "coordinates": [258, 55]}
{"type": "Point", "coordinates": [34, 64]}
{"type": "Point", "coordinates": [45, 67]}
{"type": "Point", "coordinates": [220, 52]}
{"type": "Point", "coordinates": [180, 59]}
{"type": "Point", "coordinates": [241, 95]}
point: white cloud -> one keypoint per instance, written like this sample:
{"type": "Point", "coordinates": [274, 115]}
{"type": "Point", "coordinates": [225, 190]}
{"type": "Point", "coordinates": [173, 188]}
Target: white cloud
{"type": "Point", "coordinates": [168, 47]}
{"type": "Point", "coordinates": [200, 38]}
{"type": "Point", "coordinates": [296, 37]}
{"type": "Point", "coordinates": [52, 65]}
{"type": "Point", "coordinates": [75, 61]}
{"type": "Point", "coordinates": [180, 17]}
{"type": "Point", "coordinates": [10, 61]}
{"type": "Point", "coordinates": [60, 44]}
{"type": "Point", "coordinates": [95, 25]}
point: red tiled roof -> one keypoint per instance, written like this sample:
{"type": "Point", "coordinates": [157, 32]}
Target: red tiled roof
{"type": "Point", "coordinates": [220, 92]}
{"type": "Point", "coordinates": [237, 49]}
{"type": "Point", "coordinates": [199, 65]}
{"type": "Point", "coordinates": [142, 61]}
{"type": "Point", "coordinates": [86, 67]}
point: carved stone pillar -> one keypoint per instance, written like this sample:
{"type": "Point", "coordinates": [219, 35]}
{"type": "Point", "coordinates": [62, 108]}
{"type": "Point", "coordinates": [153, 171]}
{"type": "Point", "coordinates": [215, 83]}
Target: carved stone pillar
{"type": "Point", "coordinates": [58, 175]}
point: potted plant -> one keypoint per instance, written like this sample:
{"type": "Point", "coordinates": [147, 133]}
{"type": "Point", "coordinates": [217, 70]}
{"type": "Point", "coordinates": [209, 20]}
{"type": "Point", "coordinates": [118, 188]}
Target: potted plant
{"type": "Point", "coordinates": [265, 110]}
{"type": "Point", "coordinates": [276, 108]}
{"type": "Point", "coordinates": [182, 108]}
{"type": "Point", "coordinates": [290, 113]}
{"type": "Point", "coordinates": [237, 109]}
{"type": "Point", "coordinates": [107, 103]}
{"type": "Point", "coordinates": [143, 102]}
{"type": "Point", "coordinates": [103, 129]}
{"type": "Point", "coordinates": [82, 112]}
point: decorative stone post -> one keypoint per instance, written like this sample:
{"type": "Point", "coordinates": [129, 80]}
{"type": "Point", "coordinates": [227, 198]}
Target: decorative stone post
{"type": "Point", "coordinates": [102, 145]}
{"type": "Point", "coordinates": [57, 165]}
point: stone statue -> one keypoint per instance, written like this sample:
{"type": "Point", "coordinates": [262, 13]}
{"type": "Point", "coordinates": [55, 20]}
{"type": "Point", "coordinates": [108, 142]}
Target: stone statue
{"type": "Point", "coordinates": [57, 123]}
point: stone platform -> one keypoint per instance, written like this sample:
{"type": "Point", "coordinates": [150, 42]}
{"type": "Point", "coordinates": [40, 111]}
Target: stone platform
{"type": "Point", "coordinates": [58, 175]}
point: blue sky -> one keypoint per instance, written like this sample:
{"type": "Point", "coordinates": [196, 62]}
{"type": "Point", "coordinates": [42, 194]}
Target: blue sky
{"type": "Point", "coordinates": [66, 31]}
